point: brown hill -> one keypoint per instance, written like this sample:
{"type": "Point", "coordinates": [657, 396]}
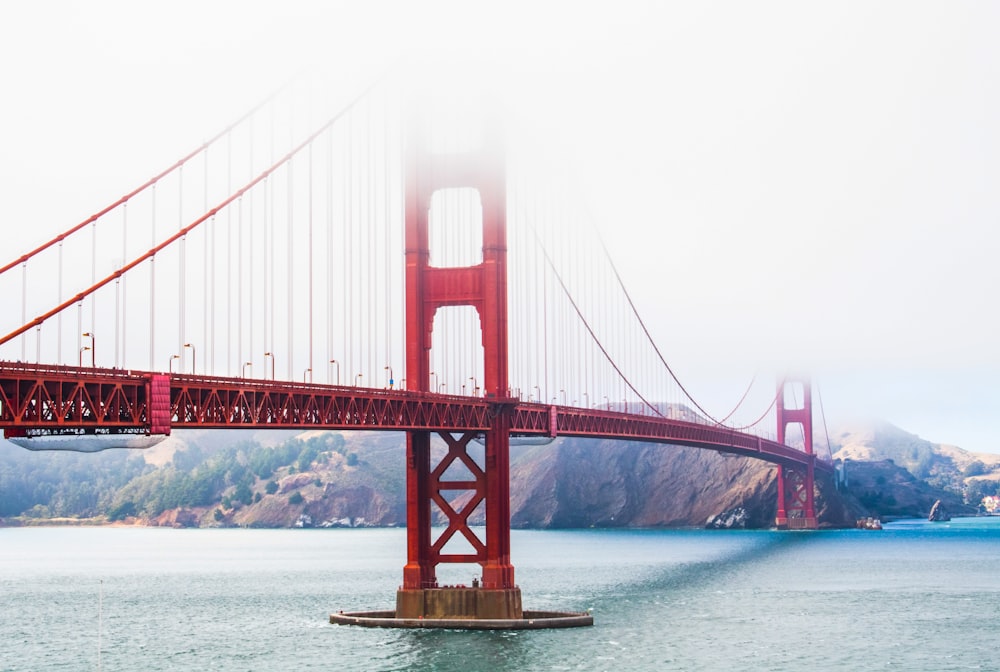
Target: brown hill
{"type": "Point", "coordinates": [582, 483]}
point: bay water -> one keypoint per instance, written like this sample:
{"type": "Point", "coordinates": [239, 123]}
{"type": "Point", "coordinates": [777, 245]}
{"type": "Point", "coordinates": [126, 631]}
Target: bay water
{"type": "Point", "coordinates": [915, 596]}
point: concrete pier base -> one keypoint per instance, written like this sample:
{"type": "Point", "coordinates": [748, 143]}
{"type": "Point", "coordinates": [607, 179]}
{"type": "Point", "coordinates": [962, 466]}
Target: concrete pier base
{"type": "Point", "coordinates": [460, 602]}
{"type": "Point", "coordinates": [530, 620]}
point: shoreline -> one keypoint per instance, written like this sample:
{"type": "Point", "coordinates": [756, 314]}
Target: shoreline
{"type": "Point", "coordinates": [101, 521]}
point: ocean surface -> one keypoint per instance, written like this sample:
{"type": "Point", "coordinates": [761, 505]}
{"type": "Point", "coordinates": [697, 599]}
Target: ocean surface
{"type": "Point", "coordinates": [915, 596]}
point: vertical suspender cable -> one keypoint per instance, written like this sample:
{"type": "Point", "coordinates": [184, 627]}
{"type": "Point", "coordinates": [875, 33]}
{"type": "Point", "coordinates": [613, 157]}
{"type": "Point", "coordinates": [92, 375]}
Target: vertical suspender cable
{"type": "Point", "coordinates": [328, 182]}
{"type": "Point", "coordinates": [124, 281]}
{"type": "Point", "coordinates": [182, 275]}
{"type": "Point", "coordinates": [229, 261]}
{"type": "Point", "coordinates": [59, 330]}
{"type": "Point", "coordinates": [93, 280]}
{"type": "Point", "coordinates": [152, 290]}
{"type": "Point", "coordinates": [79, 328]}
{"type": "Point", "coordinates": [369, 247]}
{"type": "Point", "coordinates": [348, 257]}
{"type": "Point", "coordinates": [24, 308]}
{"type": "Point", "coordinates": [212, 296]}
{"type": "Point", "coordinates": [267, 280]}
{"type": "Point", "coordinates": [545, 336]}
{"type": "Point", "coordinates": [250, 249]}
{"type": "Point", "coordinates": [386, 245]}
{"type": "Point", "coordinates": [207, 286]}
{"type": "Point", "coordinates": [291, 268]}
{"type": "Point", "coordinates": [271, 218]}
{"type": "Point", "coordinates": [239, 286]}
{"type": "Point", "coordinates": [310, 194]}
{"type": "Point", "coordinates": [291, 252]}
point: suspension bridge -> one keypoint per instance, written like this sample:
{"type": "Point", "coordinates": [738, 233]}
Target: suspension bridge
{"type": "Point", "coordinates": [388, 267]}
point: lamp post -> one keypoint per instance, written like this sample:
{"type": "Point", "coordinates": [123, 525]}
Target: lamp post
{"type": "Point", "coordinates": [475, 386]}
{"type": "Point", "coordinates": [538, 394]}
{"type": "Point", "coordinates": [170, 364]}
{"type": "Point", "coordinates": [607, 401]}
{"type": "Point", "coordinates": [440, 385]}
{"type": "Point", "coordinates": [334, 361]}
{"type": "Point", "coordinates": [271, 355]}
{"type": "Point", "coordinates": [391, 377]}
{"type": "Point", "coordinates": [307, 374]}
{"type": "Point", "coordinates": [193, 355]}
{"type": "Point", "coordinates": [563, 393]}
{"type": "Point", "coordinates": [245, 365]}
{"type": "Point", "coordinates": [93, 347]}
{"type": "Point", "coordinates": [86, 347]}
{"type": "Point", "coordinates": [357, 380]}
{"type": "Point", "coordinates": [586, 400]}
{"type": "Point", "coordinates": [435, 386]}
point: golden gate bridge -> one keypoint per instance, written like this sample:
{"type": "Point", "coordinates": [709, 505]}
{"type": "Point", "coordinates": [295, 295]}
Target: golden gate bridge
{"type": "Point", "coordinates": [398, 267]}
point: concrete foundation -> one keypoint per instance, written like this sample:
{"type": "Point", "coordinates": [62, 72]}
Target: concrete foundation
{"type": "Point", "coordinates": [459, 602]}
{"type": "Point", "coordinates": [530, 620]}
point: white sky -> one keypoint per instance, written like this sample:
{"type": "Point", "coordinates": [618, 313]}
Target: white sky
{"type": "Point", "coordinates": [789, 186]}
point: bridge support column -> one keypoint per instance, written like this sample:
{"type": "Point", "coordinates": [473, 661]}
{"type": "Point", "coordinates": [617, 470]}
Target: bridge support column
{"type": "Point", "coordinates": [796, 509]}
{"type": "Point", "coordinates": [484, 286]}
{"type": "Point", "coordinates": [494, 595]}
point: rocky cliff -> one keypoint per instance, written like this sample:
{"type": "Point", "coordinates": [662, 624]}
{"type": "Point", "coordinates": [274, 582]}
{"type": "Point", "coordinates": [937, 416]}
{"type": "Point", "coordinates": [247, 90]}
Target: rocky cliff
{"type": "Point", "coordinates": [568, 483]}
{"type": "Point", "coordinates": [351, 479]}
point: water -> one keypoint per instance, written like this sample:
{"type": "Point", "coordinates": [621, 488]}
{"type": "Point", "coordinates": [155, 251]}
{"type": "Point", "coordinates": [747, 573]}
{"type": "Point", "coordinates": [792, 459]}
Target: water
{"type": "Point", "coordinates": [916, 596]}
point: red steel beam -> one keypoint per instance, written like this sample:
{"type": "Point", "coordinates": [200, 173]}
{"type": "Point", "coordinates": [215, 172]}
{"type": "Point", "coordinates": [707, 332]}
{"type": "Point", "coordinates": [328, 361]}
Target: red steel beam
{"type": "Point", "coordinates": [42, 397]}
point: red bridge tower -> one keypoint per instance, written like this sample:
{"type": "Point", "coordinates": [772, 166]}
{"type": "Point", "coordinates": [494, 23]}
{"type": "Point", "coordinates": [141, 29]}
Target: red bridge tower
{"type": "Point", "coordinates": [428, 288]}
{"type": "Point", "coordinates": [795, 486]}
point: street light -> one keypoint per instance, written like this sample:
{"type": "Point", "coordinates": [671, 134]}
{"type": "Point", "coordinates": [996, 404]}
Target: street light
{"type": "Point", "coordinates": [538, 394]}
{"type": "Point", "coordinates": [307, 374]}
{"type": "Point", "coordinates": [357, 380]}
{"type": "Point", "coordinates": [435, 386]}
{"type": "Point", "coordinates": [563, 393]}
{"type": "Point", "coordinates": [271, 355]}
{"type": "Point", "coordinates": [440, 385]}
{"type": "Point", "coordinates": [334, 361]}
{"type": "Point", "coordinates": [245, 365]}
{"type": "Point", "coordinates": [391, 381]}
{"type": "Point", "coordinates": [607, 401]}
{"type": "Point", "coordinates": [475, 386]}
{"type": "Point", "coordinates": [86, 347]}
{"type": "Point", "coordinates": [193, 355]}
{"type": "Point", "coordinates": [402, 383]}
{"type": "Point", "coordinates": [170, 364]}
{"type": "Point", "coordinates": [93, 347]}
{"type": "Point", "coordinates": [586, 400]}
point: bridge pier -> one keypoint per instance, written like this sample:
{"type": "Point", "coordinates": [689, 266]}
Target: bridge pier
{"type": "Point", "coordinates": [796, 486]}
{"type": "Point", "coordinates": [492, 596]}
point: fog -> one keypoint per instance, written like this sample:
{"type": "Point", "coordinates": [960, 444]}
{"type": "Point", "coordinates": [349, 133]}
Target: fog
{"type": "Point", "coordinates": [786, 187]}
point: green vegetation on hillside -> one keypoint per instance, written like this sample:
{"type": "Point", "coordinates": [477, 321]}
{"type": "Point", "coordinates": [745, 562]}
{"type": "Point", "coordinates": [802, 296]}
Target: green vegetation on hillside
{"type": "Point", "coordinates": [119, 484]}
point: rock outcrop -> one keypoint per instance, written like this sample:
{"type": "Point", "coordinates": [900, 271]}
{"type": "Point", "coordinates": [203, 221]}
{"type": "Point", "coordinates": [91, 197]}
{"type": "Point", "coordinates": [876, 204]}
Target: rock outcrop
{"type": "Point", "coordinates": [938, 513]}
{"type": "Point", "coordinates": [733, 519]}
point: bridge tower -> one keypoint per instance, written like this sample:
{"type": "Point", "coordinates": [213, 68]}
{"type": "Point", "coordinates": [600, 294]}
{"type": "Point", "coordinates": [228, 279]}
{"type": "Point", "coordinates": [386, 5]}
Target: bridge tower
{"type": "Point", "coordinates": [483, 286]}
{"type": "Point", "coordinates": [796, 510]}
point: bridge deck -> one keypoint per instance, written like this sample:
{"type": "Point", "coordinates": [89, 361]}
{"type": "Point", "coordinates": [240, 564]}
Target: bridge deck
{"type": "Point", "coordinates": [43, 399]}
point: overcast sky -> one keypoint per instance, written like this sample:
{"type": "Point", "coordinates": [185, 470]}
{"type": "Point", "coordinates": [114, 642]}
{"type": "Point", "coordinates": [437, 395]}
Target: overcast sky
{"type": "Point", "coordinates": [815, 183]}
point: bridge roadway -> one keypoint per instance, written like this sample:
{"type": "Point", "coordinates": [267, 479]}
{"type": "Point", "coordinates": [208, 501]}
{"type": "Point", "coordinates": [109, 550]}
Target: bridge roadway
{"type": "Point", "coordinates": [40, 399]}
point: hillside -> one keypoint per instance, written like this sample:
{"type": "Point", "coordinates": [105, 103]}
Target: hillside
{"type": "Point", "coordinates": [941, 466]}
{"type": "Point", "coordinates": [281, 479]}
